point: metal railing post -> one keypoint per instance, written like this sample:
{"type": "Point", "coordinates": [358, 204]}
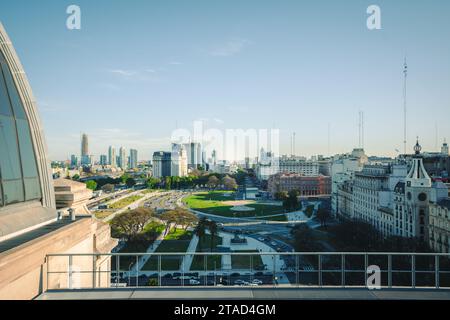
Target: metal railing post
{"type": "Point", "coordinates": [413, 271]}
{"type": "Point", "coordinates": [366, 264]}
{"type": "Point", "coordinates": [117, 269]}
{"type": "Point", "coordinates": [205, 265]}
{"type": "Point", "coordinates": [297, 269]}
{"type": "Point", "coordinates": [274, 271]}
{"type": "Point", "coordinates": [343, 270]}
{"type": "Point", "coordinates": [70, 271]}
{"type": "Point", "coordinates": [159, 270]}
{"type": "Point", "coordinates": [390, 271]}
{"type": "Point", "coordinates": [94, 272]}
{"type": "Point", "coordinates": [320, 269]}
{"type": "Point", "coordinates": [251, 267]}
{"type": "Point", "coordinates": [137, 271]}
{"type": "Point", "coordinates": [436, 271]}
{"type": "Point", "coordinates": [48, 270]}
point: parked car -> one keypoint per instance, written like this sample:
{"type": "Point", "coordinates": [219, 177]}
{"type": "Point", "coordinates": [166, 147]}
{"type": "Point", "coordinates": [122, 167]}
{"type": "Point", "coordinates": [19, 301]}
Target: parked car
{"type": "Point", "coordinates": [194, 282]}
{"type": "Point", "coordinates": [257, 282]}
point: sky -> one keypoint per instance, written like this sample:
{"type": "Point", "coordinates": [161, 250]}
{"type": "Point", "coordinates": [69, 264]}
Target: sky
{"type": "Point", "coordinates": [137, 70]}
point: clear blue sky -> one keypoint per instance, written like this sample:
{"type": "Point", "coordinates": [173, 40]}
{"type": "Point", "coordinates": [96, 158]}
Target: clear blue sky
{"type": "Point", "coordinates": [138, 68]}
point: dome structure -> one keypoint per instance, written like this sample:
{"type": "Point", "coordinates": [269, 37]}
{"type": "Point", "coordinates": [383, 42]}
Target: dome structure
{"type": "Point", "coordinates": [26, 187]}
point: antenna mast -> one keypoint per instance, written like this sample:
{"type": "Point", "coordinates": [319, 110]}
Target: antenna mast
{"type": "Point", "coordinates": [405, 73]}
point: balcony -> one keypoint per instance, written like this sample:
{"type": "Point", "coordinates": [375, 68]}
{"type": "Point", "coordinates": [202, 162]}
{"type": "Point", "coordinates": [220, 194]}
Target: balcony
{"type": "Point", "coordinates": [327, 275]}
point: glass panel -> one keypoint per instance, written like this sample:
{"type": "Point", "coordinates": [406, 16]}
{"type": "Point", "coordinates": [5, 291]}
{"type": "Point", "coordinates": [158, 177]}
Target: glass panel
{"type": "Point", "coordinates": [13, 190]}
{"type": "Point", "coordinates": [26, 149]}
{"type": "Point", "coordinates": [14, 96]}
{"type": "Point", "coordinates": [9, 155]}
{"type": "Point", "coordinates": [32, 189]}
{"type": "Point", "coordinates": [5, 106]}
{"type": "Point", "coordinates": [1, 193]}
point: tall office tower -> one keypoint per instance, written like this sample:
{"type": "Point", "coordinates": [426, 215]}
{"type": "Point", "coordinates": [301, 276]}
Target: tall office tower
{"type": "Point", "coordinates": [179, 167]}
{"type": "Point", "coordinates": [73, 160]}
{"type": "Point", "coordinates": [162, 164]}
{"type": "Point", "coordinates": [133, 158]}
{"type": "Point", "coordinates": [103, 160]}
{"type": "Point", "coordinates": [112, 156]}
{"type": "Point", "coordinates": [84, 145]}
{"type": "Point", "coordinates": [444, 148]}
{"type": "Point", "coordinates": [122, 158]}
{"type": "Point", "coordinates": [194, 154]}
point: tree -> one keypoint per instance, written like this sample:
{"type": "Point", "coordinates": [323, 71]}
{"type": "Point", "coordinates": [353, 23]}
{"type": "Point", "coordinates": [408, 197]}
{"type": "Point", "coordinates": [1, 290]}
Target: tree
{"type": "Point", "coordinates": [91, 184]}
{"type": "Point", "coordinates": [168, 218]}
{"type": "Point", "coordinates": [213, 181]}
{"type": "Point", "coordinates": [168, 183]}
{"type": "Point", "coordinates": [108, 188]}
{"type": "Point", "coordinates": [212, 227]}
{"type": "Point", "coordinates": [124, 177]}
{"type": "Point", "coordinates": [323, 215]}
{"type": "Point", "coordinates": [229, 183]}
{"type": "Point", "coordinates": [291, 202]}
{"type": "Point", "coordinates": [130, 223]}
{"type": "Point", "coordinates": [304, 239]}
{"type": "Point", "coordinates": [281, 195]}
{"type": "Point", "coordinates": [152, 183]}
{"type": "Point", "coordinates": [200, 231]}
{"type": "Point", "coordinates": [76, 177]}
{"type": "Point", "coordinates": [130, 182]}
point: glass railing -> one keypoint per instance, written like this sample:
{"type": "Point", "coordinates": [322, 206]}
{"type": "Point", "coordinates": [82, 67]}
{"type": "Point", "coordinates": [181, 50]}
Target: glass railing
{"type": "Point", "coordinates": [248, 269]}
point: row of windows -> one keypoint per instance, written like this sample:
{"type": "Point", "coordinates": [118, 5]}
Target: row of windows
{"type": "Point", "coordinates": [19, 180]}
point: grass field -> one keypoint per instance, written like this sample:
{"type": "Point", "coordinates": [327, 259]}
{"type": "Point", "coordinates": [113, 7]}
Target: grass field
{"type": "Point", "coordinates": [102, 214]}
{"type": "Point", "coordinates": [211, 261]}
{"type": "Point", "coordinates": [177, 241]}
{"type": "Point", "coordinates": [245, 261]}
{"type": "Point", "coordinates": [125, 202]}
{"type": "Point", "coordinates": [213, 203]}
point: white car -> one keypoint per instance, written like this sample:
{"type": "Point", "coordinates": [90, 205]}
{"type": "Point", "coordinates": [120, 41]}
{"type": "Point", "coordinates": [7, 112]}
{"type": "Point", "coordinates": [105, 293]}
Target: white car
{"type": "Point", "coordinates": [194, 282]}
{"type": "Point", "coordinates": [240, 282]}
{"type": "Point", "coordinates": [257, 282]}
{"type": "Point", "coordinates": [273, 243]}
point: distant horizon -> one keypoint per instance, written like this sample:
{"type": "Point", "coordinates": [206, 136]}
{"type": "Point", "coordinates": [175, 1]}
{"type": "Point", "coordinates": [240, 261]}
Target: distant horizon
{"type": "Point", "coordinates": [138, 70]}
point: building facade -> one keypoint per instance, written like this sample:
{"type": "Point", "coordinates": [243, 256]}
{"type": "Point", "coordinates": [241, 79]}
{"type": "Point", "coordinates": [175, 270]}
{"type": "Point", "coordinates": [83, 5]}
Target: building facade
{"type": "Point", "coordinates": [179, 161]}
{"type": "Point", "coordinates": [305, 185]}
{"type": "Point", "coordinates": [112, 156]}
{"type": "Point", "coordinates": [133, 158]}
{"type": "Point", "coordinates": [162, 164]}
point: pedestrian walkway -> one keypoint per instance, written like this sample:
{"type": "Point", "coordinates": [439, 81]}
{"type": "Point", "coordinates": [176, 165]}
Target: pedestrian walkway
{"type": "Point", "coordinates": [188, 258]}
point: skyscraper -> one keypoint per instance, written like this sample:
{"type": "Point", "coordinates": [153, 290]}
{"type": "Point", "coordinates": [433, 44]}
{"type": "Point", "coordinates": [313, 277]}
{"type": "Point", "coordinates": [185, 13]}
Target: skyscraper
{"type": "Point", "coordinates": [194, 154]}
{"type": "Point", "coordinates": [103, 160]}
{"type": "Point", "coordinates": [84, 145]}
{"type": "Point", "coordinates": [122, 158]}
{"type": "Point", "coordinates": [133, 158]}
{"type": "Point", "coordinates": [112, 156]}
{"type": "Point", "coordinates": [179, 166]}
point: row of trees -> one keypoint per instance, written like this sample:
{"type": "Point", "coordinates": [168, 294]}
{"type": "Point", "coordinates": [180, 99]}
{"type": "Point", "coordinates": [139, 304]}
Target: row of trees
{"type": "Point", "coordinates": [200, 231]}
{"type": "Point", "coordinates": [212, 181]}
{"type": "Point", "coordinates": [130, 224]}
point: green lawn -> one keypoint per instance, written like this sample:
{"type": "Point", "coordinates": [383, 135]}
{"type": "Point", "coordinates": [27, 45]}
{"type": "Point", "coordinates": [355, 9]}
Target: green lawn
{"type": "Point", "coordinates": [244, 261]}
{"type": "Point", "coordinates": [213, 203]}
{"type": "Point", "coordinates": [177, 241]}
{"type": "Point", "coordinates": [125, 202]}
{"type": "Point", "coordinates": [212, 261]}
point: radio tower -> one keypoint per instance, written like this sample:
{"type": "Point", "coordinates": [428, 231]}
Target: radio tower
{"type": "Point", "coordinates": [405, 73]}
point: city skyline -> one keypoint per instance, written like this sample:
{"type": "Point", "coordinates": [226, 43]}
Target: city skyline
{"type": "Point", "coordinates": [299, 68]}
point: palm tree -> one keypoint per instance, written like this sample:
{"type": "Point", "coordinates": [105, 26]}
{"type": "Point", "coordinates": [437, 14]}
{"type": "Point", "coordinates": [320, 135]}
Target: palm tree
{"type": "Point", "coordinates": [212, 226]}
{"type": "Point", "coordinates": [200, 231]}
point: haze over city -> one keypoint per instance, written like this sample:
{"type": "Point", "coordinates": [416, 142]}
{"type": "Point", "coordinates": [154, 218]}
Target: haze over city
{"type": "Point", "coordinates": [134, 73]}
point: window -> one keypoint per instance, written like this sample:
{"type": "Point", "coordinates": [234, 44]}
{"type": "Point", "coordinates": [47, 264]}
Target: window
{"type": "Point", "coordinates": [19, 179]}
